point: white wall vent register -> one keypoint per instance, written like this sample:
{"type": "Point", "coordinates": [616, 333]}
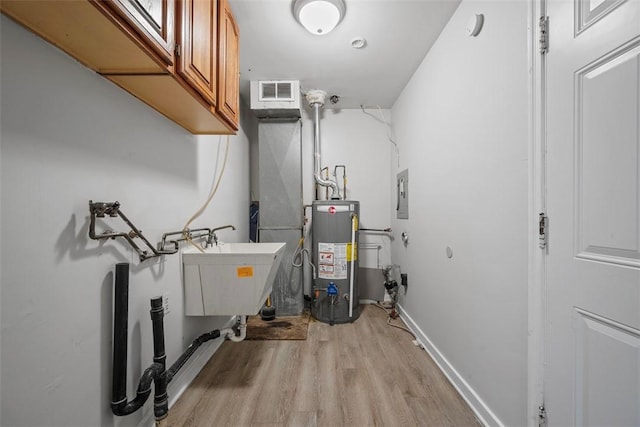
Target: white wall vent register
{"type": "Point", "coordinates": [276, 90]}
{"type": "Point", "coordinates": [275, 98]}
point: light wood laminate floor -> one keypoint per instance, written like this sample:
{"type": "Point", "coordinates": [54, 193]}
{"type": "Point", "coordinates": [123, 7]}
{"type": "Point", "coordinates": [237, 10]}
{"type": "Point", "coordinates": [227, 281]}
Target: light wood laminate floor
{"type": "Point", "coordinates": [360, 374]}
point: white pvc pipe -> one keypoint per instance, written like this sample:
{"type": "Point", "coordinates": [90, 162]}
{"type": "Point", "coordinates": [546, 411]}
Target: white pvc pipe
{"type": "Point", "coordinates": [354, 218]}
{"type": "Point", "coordinates": [226, 332]}
{"type": "Point", "coordinates": [231, 334]}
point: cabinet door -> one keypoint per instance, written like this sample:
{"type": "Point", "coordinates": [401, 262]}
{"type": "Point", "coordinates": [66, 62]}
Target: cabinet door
{"type": "Point", "coordinates": [198, 64]}
{"type": "Point", "coordinates": [153, 20]}
{"type": "Point", "coordinates": [229, 66]}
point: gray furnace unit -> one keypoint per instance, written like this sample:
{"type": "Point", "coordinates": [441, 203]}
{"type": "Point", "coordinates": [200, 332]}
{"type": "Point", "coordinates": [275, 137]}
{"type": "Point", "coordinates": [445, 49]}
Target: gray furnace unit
{"type": "Point", "coordinates": [281, 215]}
{"type": "Point", "coordinates": [335, 253]}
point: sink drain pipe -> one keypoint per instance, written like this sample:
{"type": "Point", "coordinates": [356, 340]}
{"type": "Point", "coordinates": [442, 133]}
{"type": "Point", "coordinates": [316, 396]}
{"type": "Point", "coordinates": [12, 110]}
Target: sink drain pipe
{"type": "Point", "coordinates": [156, 373]}
{"type": "Point", "coordinates": [119, 403]}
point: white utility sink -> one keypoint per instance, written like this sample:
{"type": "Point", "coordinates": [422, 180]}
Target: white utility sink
{"type": "Point", "coordinates": [230, 278]}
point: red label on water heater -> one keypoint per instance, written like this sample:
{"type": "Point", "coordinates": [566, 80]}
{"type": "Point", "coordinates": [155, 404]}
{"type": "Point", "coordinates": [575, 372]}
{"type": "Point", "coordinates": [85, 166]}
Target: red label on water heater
{"type": "Point", "coordinates": [333, 209]}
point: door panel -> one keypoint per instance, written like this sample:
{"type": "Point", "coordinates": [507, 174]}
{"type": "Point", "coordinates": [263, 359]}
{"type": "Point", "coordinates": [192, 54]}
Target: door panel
{"type": "Point", "coordinates": [607, 144]}
{"type": "Point", "coordinates": [588, 12]}
{"type": "Point", "coordinates": [229, 66]}
{"type": "Point", "coordinates": [601, 347]}
{"type": "Point", "coordinates": [592, 356]}
{"type": "Point", "coordinates": [199, 47]}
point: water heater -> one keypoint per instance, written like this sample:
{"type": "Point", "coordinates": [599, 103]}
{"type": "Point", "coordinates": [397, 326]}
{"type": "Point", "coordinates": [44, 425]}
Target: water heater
{"type": "Point", "coordinates": [335, 296]}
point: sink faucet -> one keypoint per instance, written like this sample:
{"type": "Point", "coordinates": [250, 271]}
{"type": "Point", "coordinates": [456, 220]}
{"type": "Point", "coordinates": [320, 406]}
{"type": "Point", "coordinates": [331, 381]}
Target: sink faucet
{"type": "Point", "coordinates": [212, 234]}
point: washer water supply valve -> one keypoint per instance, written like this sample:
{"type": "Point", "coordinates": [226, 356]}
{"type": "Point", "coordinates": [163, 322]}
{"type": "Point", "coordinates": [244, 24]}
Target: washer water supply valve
{"type": "Point", "coordinates": [391, 287]}
{"type": "Point", "coordinates": [112, 209]}
{"type": "Point", "coordinates": [405, 281]}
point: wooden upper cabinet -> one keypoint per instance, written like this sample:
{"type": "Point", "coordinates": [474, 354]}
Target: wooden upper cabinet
{"type": "Point", "coordinates": [90, 31]}
{"type": "Point", "coordinates": [229, 66]}
{"type": "Point", "coordinates": [198, 47]}
{"type": "Point", "coordinates": [154, 20]}
{"type": "Point", "coordinates": [178, 56]}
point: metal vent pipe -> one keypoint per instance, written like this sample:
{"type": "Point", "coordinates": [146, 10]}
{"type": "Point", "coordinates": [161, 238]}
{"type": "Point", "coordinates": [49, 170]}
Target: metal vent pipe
{"type": "Point", "coordinates": [316, 98]}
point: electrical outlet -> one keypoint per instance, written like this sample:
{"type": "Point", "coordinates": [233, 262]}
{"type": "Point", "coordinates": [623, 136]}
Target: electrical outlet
{"type": "Point", "coordinates": [404, 281]}
{"type": "Point", "coordinates": [165, 303]}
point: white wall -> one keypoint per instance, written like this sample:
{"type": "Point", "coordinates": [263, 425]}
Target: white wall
{"type": "Point", "coordinates": [352, 138]}
{"type": "Point", "coordinates": [461, 124]}
{"type": "Point", "coordinates": [359, 141]}
{"type": "Point", "coordinates": [69, 136]}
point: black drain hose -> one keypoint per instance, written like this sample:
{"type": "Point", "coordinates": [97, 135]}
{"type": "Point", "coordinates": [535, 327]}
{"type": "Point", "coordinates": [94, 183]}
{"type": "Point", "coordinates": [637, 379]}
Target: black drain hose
{"type": "Point", "coordinates": [173, 370]}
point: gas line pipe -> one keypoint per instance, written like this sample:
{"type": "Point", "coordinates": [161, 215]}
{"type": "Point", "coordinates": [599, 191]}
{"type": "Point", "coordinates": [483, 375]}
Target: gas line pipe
{"type": "Point", "coordinates": [354, 227]}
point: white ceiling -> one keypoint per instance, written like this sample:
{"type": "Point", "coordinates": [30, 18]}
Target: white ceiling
{"type": "Point", "coordinates": [399, 33]}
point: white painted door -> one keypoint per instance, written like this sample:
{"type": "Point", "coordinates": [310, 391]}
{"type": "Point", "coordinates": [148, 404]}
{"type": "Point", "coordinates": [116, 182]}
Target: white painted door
{"type": "Point", "coordinates": [592, 344]}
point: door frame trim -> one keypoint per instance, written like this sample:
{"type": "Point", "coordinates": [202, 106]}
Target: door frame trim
{"type": "Point", "coordinates": [536, 318]}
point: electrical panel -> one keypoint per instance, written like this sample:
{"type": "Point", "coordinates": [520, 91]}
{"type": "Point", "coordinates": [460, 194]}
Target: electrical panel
{"type": "Point", "coordinates": [402, 185]}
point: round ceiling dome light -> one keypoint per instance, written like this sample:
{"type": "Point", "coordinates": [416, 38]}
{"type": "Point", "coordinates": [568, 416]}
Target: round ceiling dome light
{"type": "Point", "coordinates": [319, 17]}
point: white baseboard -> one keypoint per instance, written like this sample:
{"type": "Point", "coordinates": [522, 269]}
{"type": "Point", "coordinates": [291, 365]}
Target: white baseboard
{"type": "Point", "coordinates": [484, 414]}
{"type": "Point", "coordinates": [191, 369]}
{"type": "Point", "coordinates": [186, 375]}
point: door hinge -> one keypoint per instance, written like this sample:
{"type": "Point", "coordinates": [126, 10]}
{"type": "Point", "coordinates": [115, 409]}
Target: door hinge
{"type": "Point", "coordinates": [542, 230]}
{"type": "Point", "coordinates": [178, 50]}
{"type": "Point", "coordinates": [544, 34]}
{"type": "Point", "coordinates": [542, 416]}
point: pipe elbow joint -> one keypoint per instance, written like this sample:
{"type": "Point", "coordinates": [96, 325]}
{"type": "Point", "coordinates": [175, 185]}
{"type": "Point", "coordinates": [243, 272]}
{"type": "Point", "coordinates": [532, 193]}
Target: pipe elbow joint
{"type": "Point", "coordinates": [242, 329]}
{"type": "Point", "coordinates": [118, 408]}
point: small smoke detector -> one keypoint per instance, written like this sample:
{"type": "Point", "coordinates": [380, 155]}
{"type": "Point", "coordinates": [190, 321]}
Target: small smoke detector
{"type": "Point", "coordinates": [474, 25]}
{"type": "Point", "coordinates": [358, 43]}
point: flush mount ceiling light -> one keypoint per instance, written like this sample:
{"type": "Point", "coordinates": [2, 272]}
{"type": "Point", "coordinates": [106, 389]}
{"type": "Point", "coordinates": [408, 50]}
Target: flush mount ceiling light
{"type": "Point", "coordinates": [319, 17]}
